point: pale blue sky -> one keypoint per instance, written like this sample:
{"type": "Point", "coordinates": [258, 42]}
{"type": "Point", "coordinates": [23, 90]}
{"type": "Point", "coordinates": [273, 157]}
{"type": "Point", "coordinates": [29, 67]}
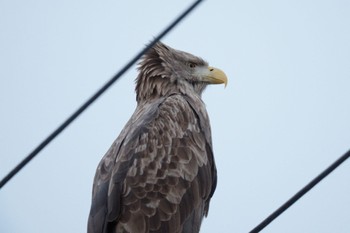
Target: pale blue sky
{"type": "Point", "coordinates": [283, 118]}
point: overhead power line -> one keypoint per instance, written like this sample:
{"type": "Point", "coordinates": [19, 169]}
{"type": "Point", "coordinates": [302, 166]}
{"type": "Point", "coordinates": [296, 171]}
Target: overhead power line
{"type": "Point", "coordinates": [83, 107]}
{"type": "Point", "coordinates": [301, 193]}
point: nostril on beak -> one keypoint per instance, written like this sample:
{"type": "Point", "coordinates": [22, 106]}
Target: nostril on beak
{"type": "Point", "coordinates": [211, 69]}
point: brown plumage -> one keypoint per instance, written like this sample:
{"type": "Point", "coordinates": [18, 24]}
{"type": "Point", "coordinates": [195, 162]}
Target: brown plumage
{"type": "Point", "coordinates": [159, 174]}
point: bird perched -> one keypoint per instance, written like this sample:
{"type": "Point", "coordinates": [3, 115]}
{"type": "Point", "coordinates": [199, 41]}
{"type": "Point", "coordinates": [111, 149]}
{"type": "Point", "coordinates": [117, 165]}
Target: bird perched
{"type": "Point", "coordinates": [159, 174]}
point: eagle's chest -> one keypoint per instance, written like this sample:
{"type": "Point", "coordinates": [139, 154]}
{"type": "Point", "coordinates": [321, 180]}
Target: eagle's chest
{"type": "Point", "coordinates": [165, 158]}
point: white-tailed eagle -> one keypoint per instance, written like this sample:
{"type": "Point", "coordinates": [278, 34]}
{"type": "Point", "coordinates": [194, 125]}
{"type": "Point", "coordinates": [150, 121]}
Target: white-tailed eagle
{"type": "Point", "coordinates": [159, 175]}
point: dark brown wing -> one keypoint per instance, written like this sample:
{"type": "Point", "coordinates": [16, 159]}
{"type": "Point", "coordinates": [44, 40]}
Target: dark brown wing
{"type": "Point", "coordinates": [164, 173]}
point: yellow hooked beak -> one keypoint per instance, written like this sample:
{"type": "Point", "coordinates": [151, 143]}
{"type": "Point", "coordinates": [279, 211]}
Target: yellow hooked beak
{"type": "Point", "coordinates": [214, 76]}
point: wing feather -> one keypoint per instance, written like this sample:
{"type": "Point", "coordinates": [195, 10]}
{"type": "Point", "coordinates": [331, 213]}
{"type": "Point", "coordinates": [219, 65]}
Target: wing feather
{"type": "Point", "coordinates": [160, 173]}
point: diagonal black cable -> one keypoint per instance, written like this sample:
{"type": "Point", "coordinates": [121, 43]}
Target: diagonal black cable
{"type": "Point", "coordinates": [301, 193]}
{"type": "Point", "coordinates": [80, 110]}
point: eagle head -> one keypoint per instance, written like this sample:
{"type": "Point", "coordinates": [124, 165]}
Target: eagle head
{"type": "Point", "coordinates": [164, 70]}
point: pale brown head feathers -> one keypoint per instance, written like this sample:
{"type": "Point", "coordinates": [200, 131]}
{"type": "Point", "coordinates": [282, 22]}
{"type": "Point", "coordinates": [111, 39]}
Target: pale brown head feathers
{"type": "Point", "coordinates": [164, 70]}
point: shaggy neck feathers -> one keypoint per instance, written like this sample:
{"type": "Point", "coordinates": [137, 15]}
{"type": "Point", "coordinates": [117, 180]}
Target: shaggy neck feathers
{"type": "Point", "coordinates": [161, 74]}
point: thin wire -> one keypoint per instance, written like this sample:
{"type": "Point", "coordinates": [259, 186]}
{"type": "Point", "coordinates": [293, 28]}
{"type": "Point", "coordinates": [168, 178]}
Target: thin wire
{"type": "Point", "coordinates": [80, 110]}
{"type": "Point", "coordinates": [299, 194]}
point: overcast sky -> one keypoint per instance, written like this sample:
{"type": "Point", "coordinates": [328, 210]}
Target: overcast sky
{"type": "Point", "coordinates": [283, 118]}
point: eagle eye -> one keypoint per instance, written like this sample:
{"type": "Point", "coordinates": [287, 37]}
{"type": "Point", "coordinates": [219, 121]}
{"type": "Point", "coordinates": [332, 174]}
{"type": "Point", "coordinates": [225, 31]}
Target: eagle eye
{"type": "Point", "coordinates": [192, 65]}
